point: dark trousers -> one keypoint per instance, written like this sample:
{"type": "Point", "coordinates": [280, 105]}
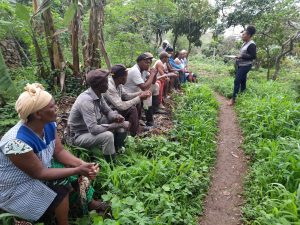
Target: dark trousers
{"type": "Point", "coordinates": [240, 80]}
{"type": "Point", "coordinates": [131, 115]}
{"type": "Point", "coordinates": [182, 77]}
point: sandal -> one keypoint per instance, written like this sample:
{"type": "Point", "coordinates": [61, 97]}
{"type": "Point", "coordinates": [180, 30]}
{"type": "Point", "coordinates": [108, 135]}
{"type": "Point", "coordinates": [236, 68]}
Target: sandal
{"type": "Point", "coordinates": [22, 222]}
{"type": "Point", "coordinates": [102, 208]}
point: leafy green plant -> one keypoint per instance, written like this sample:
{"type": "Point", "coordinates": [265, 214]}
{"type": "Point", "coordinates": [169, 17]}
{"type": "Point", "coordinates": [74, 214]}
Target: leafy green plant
{"type": "Point", "coordinates": [154, 182]}
{"type": "Point", "coordinates": [270, 118]}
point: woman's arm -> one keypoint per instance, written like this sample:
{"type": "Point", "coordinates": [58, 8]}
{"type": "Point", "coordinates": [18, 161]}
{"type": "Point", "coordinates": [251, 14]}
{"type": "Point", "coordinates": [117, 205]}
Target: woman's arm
{"type": "Point", "coordinates": [32, 165]}
{"type": "Point", "coordinates": [65, 157]}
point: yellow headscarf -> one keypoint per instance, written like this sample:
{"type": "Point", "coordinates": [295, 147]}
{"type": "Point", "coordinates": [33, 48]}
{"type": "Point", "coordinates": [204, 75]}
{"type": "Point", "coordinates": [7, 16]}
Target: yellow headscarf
{"type": "Point", "coordinates": [31, 100]}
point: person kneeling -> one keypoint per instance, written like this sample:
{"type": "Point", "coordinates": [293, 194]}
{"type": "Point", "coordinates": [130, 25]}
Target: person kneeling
{"type": "Point", "coordinates": [92, 122]}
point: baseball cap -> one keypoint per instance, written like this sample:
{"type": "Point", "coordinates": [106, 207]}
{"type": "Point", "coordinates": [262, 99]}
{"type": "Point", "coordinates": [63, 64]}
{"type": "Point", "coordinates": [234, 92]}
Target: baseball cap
{"type": "Point", "coordinates": [118, 70]}
{"type": "Point", "coordinates": [169, 49]}
{"type": "Point", "coordinates": [145, 55]}
{"type": "Point", "coordinates": [94, 77]}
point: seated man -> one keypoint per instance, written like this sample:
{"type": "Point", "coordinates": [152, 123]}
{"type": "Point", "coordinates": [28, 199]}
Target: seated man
{"type": "Point", "coordinates": [163, 77]}
{"type": "Point", "coordinates": [92, 122]}
{"type": "Point", "coordinates": [137, 81]}
{"type": "Point", "coordinates": [32, 185]}
{"type": "Point", "coordinates": [173, 67]}
{"type": "Point", "coordinates": [125, 103]}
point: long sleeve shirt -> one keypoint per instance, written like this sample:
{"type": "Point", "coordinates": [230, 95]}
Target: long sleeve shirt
{"type": "Point", "coordinates": [173, 64]}
{"type": "Point", "coordinates": [118, 98]}
{"type": "Point", "coordinates": [87, 113]}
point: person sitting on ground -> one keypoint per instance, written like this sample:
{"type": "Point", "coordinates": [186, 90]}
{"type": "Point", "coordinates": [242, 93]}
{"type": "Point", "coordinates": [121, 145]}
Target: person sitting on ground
{"type": "Point", "coordinates": [163, 76]}
{"type": "Point", "coordinates": [125, 103]}
{"type": "Point", "coordinates": [92, 122]}
{"type": "Point", "coordinates": [190, 76]}
{"type": "Point", "coordinates": [30, 187]}
{"type": "Point", "coordinates": [165, 44]}
{"type": "Point", "coordinates": [137, 81]}
{"type": "Point", "coordinates": [173, 67]}
{"type": "Point", "coordinates": [182, 75]}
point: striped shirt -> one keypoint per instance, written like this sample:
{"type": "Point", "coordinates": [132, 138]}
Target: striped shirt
{"type": "Point", "coordinates": [20, 194]}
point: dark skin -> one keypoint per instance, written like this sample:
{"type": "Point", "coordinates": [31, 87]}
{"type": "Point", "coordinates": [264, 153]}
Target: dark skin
{"type": "Point", "coordinates": [35, 168]}
{"type": "Point", "coordinates": [122, 80]}
{"type": "Point", "coordinates": [144, 66]}
{"type": "Point", "coordinates": [246, 38]}
{"type": "Point", "coordinates": [101, 88]}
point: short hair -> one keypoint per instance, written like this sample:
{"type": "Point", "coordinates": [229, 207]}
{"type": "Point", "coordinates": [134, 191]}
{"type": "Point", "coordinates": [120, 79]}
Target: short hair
{"type": "Point", "coordinates": [163, 55]}
{"type": "Point", "coordinates": [251, 30]}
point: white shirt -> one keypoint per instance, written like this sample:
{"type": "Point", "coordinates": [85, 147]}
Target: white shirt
{"type": "Point", "coordinates": [134, 79]}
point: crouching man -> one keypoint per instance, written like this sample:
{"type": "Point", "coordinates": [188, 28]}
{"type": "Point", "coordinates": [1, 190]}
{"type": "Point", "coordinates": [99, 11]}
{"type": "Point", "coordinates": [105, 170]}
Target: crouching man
{"type": "Point", "coordinates": [122, 101]}
{"type": "Point", "coordinates": [92, 122]}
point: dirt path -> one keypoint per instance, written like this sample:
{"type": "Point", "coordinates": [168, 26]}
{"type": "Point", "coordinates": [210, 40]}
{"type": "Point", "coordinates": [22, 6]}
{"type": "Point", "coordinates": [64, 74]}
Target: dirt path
{"type": "Point", "coordinates": [224, 200]}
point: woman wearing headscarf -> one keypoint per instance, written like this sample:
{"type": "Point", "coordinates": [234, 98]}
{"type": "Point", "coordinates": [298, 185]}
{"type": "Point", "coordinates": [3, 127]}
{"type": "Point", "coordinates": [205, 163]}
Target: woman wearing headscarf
{"type": "Point", "coordinates": [30, 187]}
{"type": "Point", "coordinates": [244, 62]}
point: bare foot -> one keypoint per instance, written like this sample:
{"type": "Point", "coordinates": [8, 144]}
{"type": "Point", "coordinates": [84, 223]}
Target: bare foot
{"type": "Point", "coordinates": [231, 102]}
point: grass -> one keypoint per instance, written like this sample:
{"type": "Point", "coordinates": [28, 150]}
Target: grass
{"type": "Point", "coordinates": [159, 176]}
{"type": "Point", "coordinates": [161, 179]}
{"type": "Point", "coordinates": [269, 115]}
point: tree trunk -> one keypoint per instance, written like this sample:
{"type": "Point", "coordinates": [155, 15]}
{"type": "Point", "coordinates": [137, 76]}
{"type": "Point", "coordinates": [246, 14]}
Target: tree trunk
{"type": "Point", "coordinates": [269, 63]}
{"type": "Point", "coordinates": [101, 37]}
{"type": "Point", "coordinates": [92, 58]}
{"type": "Point", "coordinates": [39, 57]}
{"type": "Point", "coordinates": [190, 47]}
{"type": "Point", "coordinates": [277, 66]}
{"type": "Point", "coordinates": [74, 40]}
{"type": "Point", "coordinates": [290, 44]}
{"type": "Point", "coordinates": [54, 49]}
{"type": "Point", "coordinates": [175, 41]}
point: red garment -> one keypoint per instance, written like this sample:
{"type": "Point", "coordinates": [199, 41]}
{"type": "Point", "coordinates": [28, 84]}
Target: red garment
{"type": "Point", "coordinates": [161, 84]}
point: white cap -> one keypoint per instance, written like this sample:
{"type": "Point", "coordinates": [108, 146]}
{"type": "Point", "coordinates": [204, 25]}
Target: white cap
{"type": "Point", "coordinates": [166, 41]}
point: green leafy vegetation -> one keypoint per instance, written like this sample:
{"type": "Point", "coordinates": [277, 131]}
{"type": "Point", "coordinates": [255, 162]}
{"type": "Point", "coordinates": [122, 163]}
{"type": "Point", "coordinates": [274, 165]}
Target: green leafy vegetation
{"type": "Point", "coordinates": [269, 116]}
{"type": "Point", "coordinates": [163, 179]}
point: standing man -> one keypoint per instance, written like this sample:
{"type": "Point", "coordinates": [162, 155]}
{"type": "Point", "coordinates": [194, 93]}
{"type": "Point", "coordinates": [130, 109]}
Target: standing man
{"type": "Point", "coordinates": [244, 62]}
{"type": "Point", "coordinates": [125, 103]}
{"type": "Point", "coordinates": [92, 122]}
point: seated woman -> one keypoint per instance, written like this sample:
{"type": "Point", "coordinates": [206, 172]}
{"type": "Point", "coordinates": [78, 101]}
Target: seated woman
{"type": "Point", "coordinates": [190, 76]}
{"type": "Point", "coordinates": [30, 187]}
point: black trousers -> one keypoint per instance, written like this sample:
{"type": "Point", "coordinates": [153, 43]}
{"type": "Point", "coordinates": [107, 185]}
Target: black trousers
{"type": "Point", "coordinates": [131, 115]}
{"type": "Point", "coordinates": [240, 80]}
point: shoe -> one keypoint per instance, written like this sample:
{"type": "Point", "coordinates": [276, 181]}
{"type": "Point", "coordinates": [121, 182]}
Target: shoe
{"type": "Point", "coordinates": [161, 106]}
{"type": "Point", "coordinates": [102, 208]}
{"type": "Point", "coordinates": [160, 111]}
{"type": "Point", "coordinates": [121, 150]}
{"type": "Point", "coordinates": [146, 128]}
{"type": "Point", "coordinates": [150, 123]}
{"type": "Point", "coordinates": [142, 123]}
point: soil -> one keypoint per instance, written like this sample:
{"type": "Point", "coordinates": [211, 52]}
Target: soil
{"type": "Point", "coordinates": [225, 197]}
{"type": "Point", "coordinates": [163, 122]}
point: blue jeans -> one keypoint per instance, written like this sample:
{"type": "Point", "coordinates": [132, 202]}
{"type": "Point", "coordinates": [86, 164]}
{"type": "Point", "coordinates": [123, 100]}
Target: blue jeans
{"type": "Point", "coordinates": [240, 80]}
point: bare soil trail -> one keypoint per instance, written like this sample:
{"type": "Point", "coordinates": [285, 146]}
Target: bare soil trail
{"type": "Point", "coordinates": [224, 200]}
